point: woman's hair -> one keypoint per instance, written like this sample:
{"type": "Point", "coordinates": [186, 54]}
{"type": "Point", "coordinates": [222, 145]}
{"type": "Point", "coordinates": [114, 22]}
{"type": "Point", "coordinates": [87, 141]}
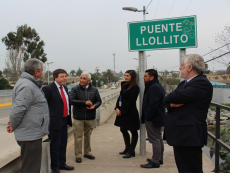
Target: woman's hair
{"type": "Point", "coordinates": [133, 80]}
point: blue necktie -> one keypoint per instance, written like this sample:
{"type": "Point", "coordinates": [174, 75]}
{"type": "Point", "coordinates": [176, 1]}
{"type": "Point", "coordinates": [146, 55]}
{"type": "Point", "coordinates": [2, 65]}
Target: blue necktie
{"type": "Point", "coordinates": [185, 82]}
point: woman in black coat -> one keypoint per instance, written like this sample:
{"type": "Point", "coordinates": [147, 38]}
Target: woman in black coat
{"type": "Point", "coordinates": [127, 114]}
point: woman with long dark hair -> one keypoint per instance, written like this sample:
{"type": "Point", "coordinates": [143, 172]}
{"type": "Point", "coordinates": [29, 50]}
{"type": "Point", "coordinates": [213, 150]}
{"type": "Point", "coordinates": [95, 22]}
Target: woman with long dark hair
{"type": "Point", "coordinates": [127, 115]}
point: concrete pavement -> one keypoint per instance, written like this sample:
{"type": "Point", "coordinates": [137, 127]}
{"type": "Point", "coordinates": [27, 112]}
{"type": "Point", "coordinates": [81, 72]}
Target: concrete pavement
{"type": "Point", "coordinates": [107, 142]}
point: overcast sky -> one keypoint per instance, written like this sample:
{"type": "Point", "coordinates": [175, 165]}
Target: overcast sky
{"type": "Point", "coordinates": [85, 34]}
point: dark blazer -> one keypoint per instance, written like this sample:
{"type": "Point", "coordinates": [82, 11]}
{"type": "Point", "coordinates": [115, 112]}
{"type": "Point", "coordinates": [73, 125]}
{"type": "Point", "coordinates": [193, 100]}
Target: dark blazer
{"type": "Point", "coordinates": [153, 108]}
{"type": "Point", "coordinates": [129, 119]}
{"type": "Point", "coordinates": [186, 125]}
{"type": "Point", "coordinates": [55, 103]}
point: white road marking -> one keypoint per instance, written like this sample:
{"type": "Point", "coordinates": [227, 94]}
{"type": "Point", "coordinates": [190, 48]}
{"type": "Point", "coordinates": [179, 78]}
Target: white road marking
{"type": "Point", "coordinates": [4, 119]}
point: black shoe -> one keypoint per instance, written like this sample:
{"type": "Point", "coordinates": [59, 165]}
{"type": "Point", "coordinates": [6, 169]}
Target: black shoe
{"type": "Point", "coordinates": [161, 161]}
{"type": "Point", "coordinates": [55, 171]}
{"type": "Point", "coordinates": [67, 168]}
{"type": "Point", "coordinates": [129, 154]}
{"type": "Point", "coordinates": [150, 165]}
{"type": "Point", "coordinates": [124, 152]}
{"type": "Point", "coordinates": [78, 159]}
{"type": "Point", "coordinates": [91, 157]}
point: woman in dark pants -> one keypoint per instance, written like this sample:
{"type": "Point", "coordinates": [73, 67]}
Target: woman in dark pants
{"type": "Point", "coordinates": [127, 114]}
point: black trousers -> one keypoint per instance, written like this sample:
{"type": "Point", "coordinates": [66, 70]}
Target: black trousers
{"type": "Point", "coordinates": [188, 159]}
{"type": "Point", "coordinates": [31, 155]}
{"type": "Point", "coordinates": [130, 146]}
{"type": "Point", "coordinates": [58, 146]}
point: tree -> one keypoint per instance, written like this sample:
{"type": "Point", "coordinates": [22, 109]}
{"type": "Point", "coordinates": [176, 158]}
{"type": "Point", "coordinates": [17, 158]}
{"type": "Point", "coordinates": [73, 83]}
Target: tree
{"type": "Point", "coordinates": [6, 72]}
{"type": "Point", "coordinates": [26, 41]}
{"type": "Point", "coordinates": [79, 72]}
{"type": "Point", "coordinates": [4, 83]}
{"type": "Point", "coordinates": [72, 72]}
{"type": "Point", "coordinates": [14, 64]}
{"type": "Point", "coordinates": [46, 74]}
{"type": "Point", "coordinates": [223, 39]}
{"type": "Point", "coordinates": [120, 74]}
{"type": "Point", "coordinates": [109, 74]}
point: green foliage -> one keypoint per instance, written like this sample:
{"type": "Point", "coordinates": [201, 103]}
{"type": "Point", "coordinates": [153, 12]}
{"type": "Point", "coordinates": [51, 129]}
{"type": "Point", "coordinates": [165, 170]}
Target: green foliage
{"type": "Point", "coordinates": [79, 72]}
{"type": "Point", "coordinates": [4, 83]}
{"type": "Point", "coordinates": [46, 74]}
{"type": "Point", "coordinates": [27, 41]}
{"type": "Point", "coordinates": [95, 77]}
{"type": "Point", "coordinates": [224, 155]}
{"type": "Point", "coordinates": [72, 72]}
{"type": "Point", "coordinates": [110, 76]}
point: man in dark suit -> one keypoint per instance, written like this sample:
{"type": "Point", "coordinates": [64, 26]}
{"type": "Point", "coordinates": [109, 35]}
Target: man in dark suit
{"type": "Point", "coordinates": [60, 116]}
{"type": "Point", "coordinates": [153, 115]}
{"type": "Point", "coordinates": [185, 126]}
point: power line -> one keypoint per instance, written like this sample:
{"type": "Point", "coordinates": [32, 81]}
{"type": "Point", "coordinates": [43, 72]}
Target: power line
{"type": "Point", "coordinates": [148, 5]}
{"type": "Point", "coordinates": [157, 9]}
{"type": "Point", "coordinates": [218, 56]}
{"type": "Point", "coordinates": [216, 49]}
{"type": "Point", "coordinates": [171, 7]}
{"type": "Point", "coordinates": [187, 7]}
{"type": "Point", "coordinates": [207, 54]}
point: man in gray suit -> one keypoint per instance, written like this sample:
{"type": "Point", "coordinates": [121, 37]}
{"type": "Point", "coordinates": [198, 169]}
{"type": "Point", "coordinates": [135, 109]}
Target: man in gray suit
{"type": "Point", "coordinates": [29, 117]}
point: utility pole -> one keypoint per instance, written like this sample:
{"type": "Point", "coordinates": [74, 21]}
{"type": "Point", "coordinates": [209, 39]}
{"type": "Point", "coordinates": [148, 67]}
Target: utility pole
{"type": "Point", "coordinates": [114, 63]}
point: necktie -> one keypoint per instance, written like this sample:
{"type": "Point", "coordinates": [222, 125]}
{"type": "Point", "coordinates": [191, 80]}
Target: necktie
{"type": "Point", "coordinates": [185, 82]}
{"type": "Point", "coordinates": [85, 88]}
{"type": "Point", "coordinates": [65, 112]}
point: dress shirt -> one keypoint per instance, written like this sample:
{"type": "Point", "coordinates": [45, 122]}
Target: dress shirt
{"type": "Point", "coordinates": [66, 95]}
{"type": "Point", "coordinates": [191, 78]}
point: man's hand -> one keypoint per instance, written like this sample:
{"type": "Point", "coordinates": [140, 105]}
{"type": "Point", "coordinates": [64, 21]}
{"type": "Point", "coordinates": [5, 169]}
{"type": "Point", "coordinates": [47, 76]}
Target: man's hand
{"type": "Point", "coordinates": [118, 112]}
{"type": "Point", "coordinates": [175, 105]}
{"type": "Point", "coordinates": [8, 128]}
{"type": "Point", "coordinates": [88, 102]}
{"type": "Point", "coordinates": [92, 107]}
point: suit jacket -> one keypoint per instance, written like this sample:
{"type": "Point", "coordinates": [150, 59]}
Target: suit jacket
{"type": "Point", "coordinates": [186, 125]}
{"type": "Point", "coordinates": [153, 109]}
{"type": "Point", "coordinates": [56, 106]}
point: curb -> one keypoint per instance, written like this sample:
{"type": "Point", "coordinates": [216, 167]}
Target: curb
{"type": "Point", "coordinates": [6, 104]}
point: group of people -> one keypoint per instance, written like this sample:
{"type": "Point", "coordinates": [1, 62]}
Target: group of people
{"type": "Point", "coordinates": [39, 112]}
{"type": "Point", "coordinates": [183, 114]}
{"type": "Point", "coordinates": [36, 113]}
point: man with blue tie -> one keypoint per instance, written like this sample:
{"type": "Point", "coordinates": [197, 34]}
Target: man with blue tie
{"type": "Point", "coordinates": [60, 116]}
{"type": "Point", "coordinates": [185, 121]}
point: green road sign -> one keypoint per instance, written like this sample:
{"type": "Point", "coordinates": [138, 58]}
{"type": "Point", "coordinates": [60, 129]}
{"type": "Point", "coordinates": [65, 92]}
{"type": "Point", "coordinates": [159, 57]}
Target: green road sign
{"type": "Point", "coordinates": [170, 33]}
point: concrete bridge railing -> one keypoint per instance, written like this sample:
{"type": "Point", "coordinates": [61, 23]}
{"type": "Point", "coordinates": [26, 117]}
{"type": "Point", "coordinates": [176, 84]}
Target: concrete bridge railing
{"type": "Point", "coordinates": [103, 113]}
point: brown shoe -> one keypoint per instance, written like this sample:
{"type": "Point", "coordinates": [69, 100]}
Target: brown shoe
{"type": "Point", "coordinates": [91, 157]}
{"type": "Point", "coordinates": [78, 159]}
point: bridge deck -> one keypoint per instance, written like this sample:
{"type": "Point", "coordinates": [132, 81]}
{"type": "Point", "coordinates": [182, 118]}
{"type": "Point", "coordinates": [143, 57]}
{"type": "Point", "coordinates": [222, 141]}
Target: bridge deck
{"type": "Point", "coordinates": [107, 142]}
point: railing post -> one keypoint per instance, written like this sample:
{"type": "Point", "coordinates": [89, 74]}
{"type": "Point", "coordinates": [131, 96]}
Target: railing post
{"type": "Point", "coordinates": [217, 147]}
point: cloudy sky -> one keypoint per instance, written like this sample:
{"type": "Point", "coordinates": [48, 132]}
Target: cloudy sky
{"type": "Point", "coordinates": [86, 34]}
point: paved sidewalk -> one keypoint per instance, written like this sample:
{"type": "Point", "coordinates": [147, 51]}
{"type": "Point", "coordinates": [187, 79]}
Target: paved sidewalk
{"type": "Point", "coordinates": [107, 142]}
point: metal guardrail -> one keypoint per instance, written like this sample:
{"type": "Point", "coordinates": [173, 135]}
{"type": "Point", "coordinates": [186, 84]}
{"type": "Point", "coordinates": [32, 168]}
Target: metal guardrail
{"type": "Point", "coordinates": [6, 93]}
{"type": "Point", "coordinates": [111, 97]}
{"type": "Point", "coordinates": [216, 138]}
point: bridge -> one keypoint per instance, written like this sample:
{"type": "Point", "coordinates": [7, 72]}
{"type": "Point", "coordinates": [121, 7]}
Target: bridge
{"type": "Point", "coordinates": [106, 141]}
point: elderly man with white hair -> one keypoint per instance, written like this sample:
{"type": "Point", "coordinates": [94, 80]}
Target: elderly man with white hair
{"type": "Point", "coordinates": [185, 126]}
{"type": "Point", "coordinates": [85, 99]}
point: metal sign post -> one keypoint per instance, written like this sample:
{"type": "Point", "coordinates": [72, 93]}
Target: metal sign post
{"type": "Point", "coordinates": [182, 55]}
{"type": "Point", "coordinates": [142, 68]}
